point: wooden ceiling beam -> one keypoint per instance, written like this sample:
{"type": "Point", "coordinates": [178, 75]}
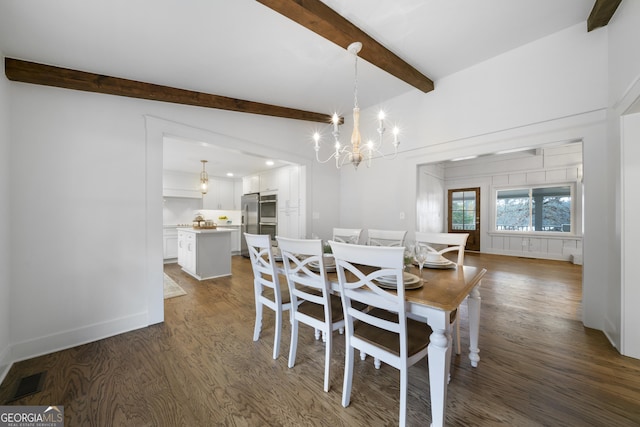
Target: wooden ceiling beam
{"type": "Point", "coordinates": [322, 20]}
{"type": "Point", "coordinates": [47, 75]}
{"type": "Point", "coordinates": [602, 13]}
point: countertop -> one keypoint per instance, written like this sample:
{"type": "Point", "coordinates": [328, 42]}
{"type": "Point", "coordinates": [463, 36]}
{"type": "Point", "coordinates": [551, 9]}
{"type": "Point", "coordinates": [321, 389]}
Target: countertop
{"type": "Point", "coordinates": [205, 230]}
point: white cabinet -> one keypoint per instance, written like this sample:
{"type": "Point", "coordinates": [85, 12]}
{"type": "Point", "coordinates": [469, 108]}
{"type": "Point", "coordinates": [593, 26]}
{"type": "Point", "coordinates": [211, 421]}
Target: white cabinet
{"type": "Point", "coordinates": [220, 195]}
{"type": "Point", "coordinates": [205, 254]}
{"type": "Point", "coordinates": [251, 184]}
{"type": "Point", "coordinates": [170, 243]}
{"type": "Point", "coordinates": [235, 240]}
{"type": "Point", "coordinates": [187, 250]}
{"type": "Point", "coordinates": [179, 184]}
{"type": "Point", "coordinates": [269, 180]}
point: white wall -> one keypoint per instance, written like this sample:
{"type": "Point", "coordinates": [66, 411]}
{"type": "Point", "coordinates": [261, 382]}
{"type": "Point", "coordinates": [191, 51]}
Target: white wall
{"type": "Point", "coordinates": [551, 90]}
{"type": "Point", "coordinates": [623, 291]}
{"type": "Point", "coordinates": [5, 262]}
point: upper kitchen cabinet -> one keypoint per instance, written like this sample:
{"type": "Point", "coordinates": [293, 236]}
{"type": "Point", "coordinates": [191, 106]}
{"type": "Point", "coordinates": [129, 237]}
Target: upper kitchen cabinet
{"type": "Point", "coordinates": [178, 184]}
{"type": "Point", "coordinates": [269, 180]}
{"type": "Point", "coordinates": [220, 195]}
{"type": "Point", "coordinates": [251, 184]}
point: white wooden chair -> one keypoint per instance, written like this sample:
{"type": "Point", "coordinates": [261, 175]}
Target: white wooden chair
{"type": "Point", "coordinates": [347, 235]}
{"type": "Point", "coordinates": [383, 331]}
{"type": "Point", "coordinates": [311, 299]}
{"type": "Point", "coordinates": [443, 243]}
{"type": "Point", "coordinates": [266, 284]}
{"type": "Point", "coordinates": [385, 237]}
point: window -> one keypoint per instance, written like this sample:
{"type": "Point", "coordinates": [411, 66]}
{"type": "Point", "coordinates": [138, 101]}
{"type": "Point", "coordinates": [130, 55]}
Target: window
{"type": "Point", "coordinates": [463, 210]}
{"type": "Point", "coordinates": [546, 209]}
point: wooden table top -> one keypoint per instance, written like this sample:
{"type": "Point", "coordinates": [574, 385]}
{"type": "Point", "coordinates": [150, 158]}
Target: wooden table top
{"type": "Point", "coordinates": [443, 289]}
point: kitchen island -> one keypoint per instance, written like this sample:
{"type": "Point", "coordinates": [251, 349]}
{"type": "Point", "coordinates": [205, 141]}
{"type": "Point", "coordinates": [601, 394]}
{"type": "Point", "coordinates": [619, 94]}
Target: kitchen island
{"type": "Point", "coordinates": [205, 253]}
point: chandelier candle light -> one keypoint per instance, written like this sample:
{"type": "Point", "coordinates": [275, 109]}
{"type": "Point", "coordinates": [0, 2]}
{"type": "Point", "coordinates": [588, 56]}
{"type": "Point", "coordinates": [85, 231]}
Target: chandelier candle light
{"type": "Point", "coordinates": [356, 152]}
{"type": "Point", "coordinates": [204, 179]}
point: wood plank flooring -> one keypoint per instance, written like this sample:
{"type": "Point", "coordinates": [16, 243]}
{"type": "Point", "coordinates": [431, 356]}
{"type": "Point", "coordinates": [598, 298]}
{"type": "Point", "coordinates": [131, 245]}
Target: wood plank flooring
{"type": "Point", "coordinates": [539, 366]}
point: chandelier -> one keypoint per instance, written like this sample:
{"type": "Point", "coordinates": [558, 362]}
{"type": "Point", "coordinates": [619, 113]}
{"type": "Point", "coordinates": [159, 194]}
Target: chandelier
{"type": "Point", "coordinates": [356, 152]}
{"type": "Point", "coordinates": [204, 179]}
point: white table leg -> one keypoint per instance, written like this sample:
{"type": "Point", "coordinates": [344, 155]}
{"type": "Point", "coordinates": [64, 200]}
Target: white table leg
{"type": "Point", "coordinates": [474, 324]}
{"type": "Point", "coordinates": [439, 351]}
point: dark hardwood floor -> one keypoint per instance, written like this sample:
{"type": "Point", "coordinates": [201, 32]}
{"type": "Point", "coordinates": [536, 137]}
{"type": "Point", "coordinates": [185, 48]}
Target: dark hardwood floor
{"type": "Point", "coordinates": [539, 365]}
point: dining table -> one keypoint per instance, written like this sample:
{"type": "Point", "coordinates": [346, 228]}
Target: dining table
{"type": "Point", "coordinates": [443, 290]}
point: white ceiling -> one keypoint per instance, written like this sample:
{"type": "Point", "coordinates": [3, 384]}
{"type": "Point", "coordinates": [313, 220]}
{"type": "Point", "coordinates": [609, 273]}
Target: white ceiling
{"type": "Point", "coordinates": [245, 50]}
{"type": "Point", "coordinates": [183, 155]}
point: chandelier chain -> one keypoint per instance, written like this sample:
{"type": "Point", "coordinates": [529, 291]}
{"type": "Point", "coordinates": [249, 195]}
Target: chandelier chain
{"type": "Point", "coordinates": [355, 83]}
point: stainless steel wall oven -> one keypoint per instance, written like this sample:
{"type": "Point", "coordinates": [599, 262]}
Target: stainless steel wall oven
{"type": "Point", "coordinates": [269, 214]}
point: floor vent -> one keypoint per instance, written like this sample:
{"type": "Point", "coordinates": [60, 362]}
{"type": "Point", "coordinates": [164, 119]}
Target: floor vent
{"type": "Point", "coordinates": [29, 385]}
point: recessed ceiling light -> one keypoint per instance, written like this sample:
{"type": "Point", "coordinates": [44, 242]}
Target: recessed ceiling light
{"type": "Point", "coordinates": [229, 173]}
{"type": "Point", "coordinates": [457, 159]}
{"type": "Point", "coordinates": [269, 162]}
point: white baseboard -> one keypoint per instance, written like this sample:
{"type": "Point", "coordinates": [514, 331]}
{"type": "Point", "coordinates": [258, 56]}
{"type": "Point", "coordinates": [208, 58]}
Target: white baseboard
{"type": "Point", "coordinates": [522, 254]}
{"type": "Point", "coordinates": [75, 337]}
{"type": "Point", "coordinates": [611, 332]}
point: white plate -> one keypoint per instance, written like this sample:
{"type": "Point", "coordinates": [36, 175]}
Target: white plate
{"type": "Point", "coordinates": [411, 281]}
{"type": "Point", "coordinates": [329, 267]}
{"type": "Point", "coordinates": [442, 261]}
{"type": "Point", "coordinates": [447, 264]}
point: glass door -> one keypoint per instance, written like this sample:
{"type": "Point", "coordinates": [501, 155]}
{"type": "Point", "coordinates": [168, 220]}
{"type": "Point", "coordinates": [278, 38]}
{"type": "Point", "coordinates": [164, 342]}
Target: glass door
{"type": "Point", "coordinates": [464, 215]}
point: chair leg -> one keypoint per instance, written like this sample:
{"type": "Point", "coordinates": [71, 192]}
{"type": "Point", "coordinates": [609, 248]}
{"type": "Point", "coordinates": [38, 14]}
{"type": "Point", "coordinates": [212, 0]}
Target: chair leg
{"type": "Point", "coordinates": [404, 383]}
{"type": "Point", "coordinates": [258, 325]}
{"type": "Point", "coordinates": [363, 355]}
{"type": "Point", "coordinates": [376, 363]}
{"type": "Point", "coordinates": [348, 375]}
{"type": "Point", "coordinates": [294, 344]}
{"type": "Point", "coordinates": [278, 331]}
{"type": "Point", "coordinates": [327, 360]}
{"type": "Point", "coordinates": [458, 335]}
{"type": "Point", "coordinates": [316, 334]}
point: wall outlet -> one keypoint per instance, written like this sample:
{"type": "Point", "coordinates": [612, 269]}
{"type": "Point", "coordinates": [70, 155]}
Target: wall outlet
{"type": "Point", "coordinates": [401, 215]}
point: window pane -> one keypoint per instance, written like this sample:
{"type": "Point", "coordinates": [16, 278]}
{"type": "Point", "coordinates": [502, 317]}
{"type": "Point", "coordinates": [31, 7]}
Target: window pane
{"type": "Point", "coordinates": [469, 220]}
{"type": "Point", "coordinates": [547, 209]}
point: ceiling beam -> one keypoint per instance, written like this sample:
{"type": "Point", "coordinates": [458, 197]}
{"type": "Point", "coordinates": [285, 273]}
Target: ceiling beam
{"type": "Point", "coordinates": [601, 13]}
{"type": "Point", "coordinates": [321, 19]}
{"type": "Point", "coordinates": [47, 75]}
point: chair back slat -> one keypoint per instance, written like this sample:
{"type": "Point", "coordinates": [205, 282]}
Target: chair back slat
{"type": "Point", "coordinates": [360, 286]}
{"type": "Point", "coordinates": [444, 242]}
{"type": "Point", "coordinates": [386, 237]}
{"type": "Point", "coordinates": [347, 235]}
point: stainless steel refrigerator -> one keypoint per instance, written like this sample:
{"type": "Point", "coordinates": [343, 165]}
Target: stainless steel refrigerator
{"type": "Point", "coordinates": [250, 205]}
